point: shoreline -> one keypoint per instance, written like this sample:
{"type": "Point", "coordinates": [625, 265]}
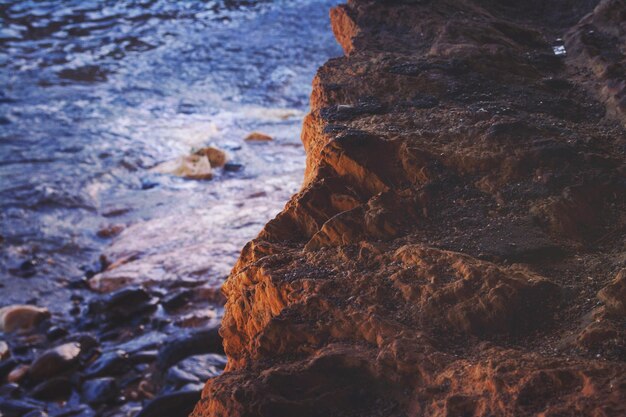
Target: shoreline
{"type": "Point", "coordinates": [113, 265]}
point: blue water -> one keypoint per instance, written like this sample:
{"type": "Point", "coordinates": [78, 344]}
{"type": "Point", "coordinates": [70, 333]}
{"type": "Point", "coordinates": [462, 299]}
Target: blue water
{"type": "Point", "coordinates": [95, 93]}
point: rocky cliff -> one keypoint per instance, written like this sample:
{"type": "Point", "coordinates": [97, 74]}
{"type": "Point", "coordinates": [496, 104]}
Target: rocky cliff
{"type": "Point", "coordinates": [458, 245]}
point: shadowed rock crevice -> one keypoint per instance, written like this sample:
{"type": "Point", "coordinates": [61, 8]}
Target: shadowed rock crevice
{"type": "Point", "coordinates": [457, 247]}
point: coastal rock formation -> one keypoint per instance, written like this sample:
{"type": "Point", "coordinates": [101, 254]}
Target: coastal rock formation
{"type": "Point", "coordinates": [457, 247]}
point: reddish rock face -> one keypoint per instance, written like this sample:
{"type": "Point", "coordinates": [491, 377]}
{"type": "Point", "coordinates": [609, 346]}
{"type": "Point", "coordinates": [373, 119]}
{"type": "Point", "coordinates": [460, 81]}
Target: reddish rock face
{"type": "Point", "coordinates": [457, 244]}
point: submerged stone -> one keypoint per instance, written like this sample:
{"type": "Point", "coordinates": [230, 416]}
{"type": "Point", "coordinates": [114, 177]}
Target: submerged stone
{"type": "Point", "coordinates": [110, 363]}
{"type": "Point", "coordinates": [195, 167]}
{"type": "Point", "coordinates": [99, 391]}
{"type": "Point", "coordinates": [217, 157]}
{"type": "Point", "coordinates": [176, 404]}
{"type": "Point", "coordinates": [53, 389]}
{"type": "Point", "coordinates": [55, 361]}
{"type": "Point", "coordinates": [4, 350]}
{"type": "Point", "coordinates": [21, 317]}
{"type": "Point", "coordinates": [124, 304]}
{"type": "Point", "coordinates": [18, 373]}
{"type": "Point", "coordinates": [258, 137]}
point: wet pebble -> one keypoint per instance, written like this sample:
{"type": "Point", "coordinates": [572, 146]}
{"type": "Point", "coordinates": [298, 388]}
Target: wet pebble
{"type": "Point", "coordinates": [148, 184]}
{"type": "Point", "coordinates": [17, 408]}
{"type": "Point", "coordinates": [7, 366]}
{"type": "Point", "coordinates": [112, 334]}
{"type": "Point", "coordinates": [99, 391]}
{"type": "Point", "coordinates": [142, 369]}
{"type": "Point", "coordinates": [176, 299]}
{"type": "Point", "coordinates": [4, 350]}
{"type": "Point", "coordinates": [55, 361]}
{"type": "Point", "coordinates": [55, 333]}
{"type": "Point", "coordinates": [18, 374]}
{"type": "Point", "coordinates": [79, 284]}
{"type": "Point", "coordinates": [147, 341]}
{"type": "Point", "coordinates": [198, 342]}
{"type": "Point", "coordinates": [21, 350]}
{"type": "Point", "coordinates": [124, 304]}
{"type": "Point", "coordinates": [26, 269]}
{"type": "Point", "coordinates": [86, 341]}
{"type": "Point", "coordinates": [196, 167]}
{"type": "Point", "coordinates": [110, 363]}
{"type": "Point", "coordinates": [21, 317]}
{"type": "Point", "coordinates": [258, 137]}
{"type": "Point", "coordinates": [232, 167]}
{"type": "Point", "coordinates": [217, 157]}
{"type": "Point", "coordinates": [175, 404]}
{"type": "Point", "coordinates": [53, 389]}
{"type": "Point", "coordinates": [145, 356]}
{"type": "Point", "coordinates": [110, 231]}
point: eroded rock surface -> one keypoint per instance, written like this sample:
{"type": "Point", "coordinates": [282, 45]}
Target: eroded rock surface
{"type": "Point", "coordinates": [458, 243]}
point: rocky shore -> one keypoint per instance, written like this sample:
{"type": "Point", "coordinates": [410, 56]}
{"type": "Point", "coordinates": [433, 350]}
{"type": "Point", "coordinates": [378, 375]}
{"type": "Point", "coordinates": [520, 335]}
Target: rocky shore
{"type": "Point", "coordinates": [142, 145]}
{"type": "Point", "coordinates": [132, 352]}
{"type": "Point", "coordinates": [457, 247]}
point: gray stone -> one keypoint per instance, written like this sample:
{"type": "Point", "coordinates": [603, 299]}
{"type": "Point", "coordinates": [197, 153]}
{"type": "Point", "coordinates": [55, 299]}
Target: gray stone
{"type": "Point", "coordinates": [55, 361]}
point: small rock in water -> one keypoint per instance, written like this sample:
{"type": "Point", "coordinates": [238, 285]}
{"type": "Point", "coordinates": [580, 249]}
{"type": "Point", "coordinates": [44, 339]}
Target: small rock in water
{"type": "Point", "coordinates": [110, 363]}
{"type": "Point", "coordinates": [193, 167]}
{"type": "Point", "coordinates": [124, 304]}
{"type": "Point", "coordinates": [18, 373]}
{"type": "Point", "coordinates": [14, 408]}
{"type": "Point", "coordinates": [26, 269]}
{"type": "Point", "coordinates": [125, 298]}
{"type": "Point", "coordinates": [54, 361]}
{"type": "Point", "coordinates": [116, 211]}
{"type": "Point", "coordinates": [176, 299]}
{"type": "Point", "coordinates": [232, 167]}
{"type": "Point", "coordinates": [55, 333]}
{"type": "Point", "coordinates": [53, 389]}
{"type": "Point", "coordinates": [4, 350]}
{"type": "Point", "coordinates": [99, 391]}
{"type": "Point", "coordinates": [178, 348]}
{"type": "Point", "coordinates": [110, 231]}
{"type": "Point", "coordinates": [217, 157]}
{"type": "Point", "coordinates": [258, 137]}
{"type": "Point", "coordinates": [86, 73]}
{"type": "Point", "coordinates": [79, 283]}
{"type": "Point", "coordinates": [85, 340]}
{"type": "Point", "coordinates": [145, 356]}
{"type": "Point", "coordinates": [146, 341]}
{"type": "Point", "coordinates": [148, 184]}
{"type": "Point", "coordinates": [175, 404]}
{"type": "Point", "coordinates": [21, 317]}
{"type": "Point", "coordinates": [6, 366]}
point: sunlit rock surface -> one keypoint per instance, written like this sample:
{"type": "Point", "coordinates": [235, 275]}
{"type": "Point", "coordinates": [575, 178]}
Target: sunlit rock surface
{"type": "Point", "coordinates": [457, 246]}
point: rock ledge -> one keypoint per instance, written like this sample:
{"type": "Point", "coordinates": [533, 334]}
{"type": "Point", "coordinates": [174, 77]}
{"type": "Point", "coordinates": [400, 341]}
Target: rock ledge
{"type": "Point", "coordinates": [456, 247]}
